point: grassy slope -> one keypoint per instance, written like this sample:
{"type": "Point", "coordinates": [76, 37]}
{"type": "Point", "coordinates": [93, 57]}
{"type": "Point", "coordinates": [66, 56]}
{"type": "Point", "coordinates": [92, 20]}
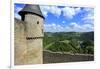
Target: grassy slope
{"type": "Point", "coordinates": [69, 42]}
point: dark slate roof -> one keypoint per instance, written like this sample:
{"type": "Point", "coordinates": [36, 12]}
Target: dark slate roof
{"type": "Point", "coordinates": [33, 9]}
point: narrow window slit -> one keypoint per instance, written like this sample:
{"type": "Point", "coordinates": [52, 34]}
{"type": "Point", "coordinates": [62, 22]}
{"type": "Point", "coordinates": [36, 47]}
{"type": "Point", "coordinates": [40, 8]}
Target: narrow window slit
{"type": "Point", "coordinates": [37, 22]}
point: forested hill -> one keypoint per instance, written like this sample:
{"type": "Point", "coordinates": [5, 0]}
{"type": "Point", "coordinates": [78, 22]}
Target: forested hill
{"type": "Point", "coordinates": [73, 42]}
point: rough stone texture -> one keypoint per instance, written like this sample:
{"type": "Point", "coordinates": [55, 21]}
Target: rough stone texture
{"type": "Point", "coordinates": [50, 57]}
{"type": "Point", "coordinates": [35, 51]}
{"type": "Point", "coordinates": [20, 47]}
{"type": "Point", "coordinates": [34, 29]}
{"type": "Point", "coordinates": [28, 51]}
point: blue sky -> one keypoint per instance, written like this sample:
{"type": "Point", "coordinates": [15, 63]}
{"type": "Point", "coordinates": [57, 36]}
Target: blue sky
{"type": "Point", "coordinates": [64, 18]}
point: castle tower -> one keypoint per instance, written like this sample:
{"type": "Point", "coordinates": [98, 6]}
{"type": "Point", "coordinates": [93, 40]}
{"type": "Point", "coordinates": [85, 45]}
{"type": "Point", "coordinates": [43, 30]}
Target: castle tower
{"type": "Point", "coordinates": [34, 20]}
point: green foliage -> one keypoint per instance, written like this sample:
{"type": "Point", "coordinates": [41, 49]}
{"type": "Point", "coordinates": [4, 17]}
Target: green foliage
{"type": "Point", "coordinates": [73, 42]}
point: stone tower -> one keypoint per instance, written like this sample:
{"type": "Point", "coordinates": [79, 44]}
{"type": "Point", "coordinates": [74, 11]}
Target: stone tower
{"type": "Point", "coordinates": [33, 18]}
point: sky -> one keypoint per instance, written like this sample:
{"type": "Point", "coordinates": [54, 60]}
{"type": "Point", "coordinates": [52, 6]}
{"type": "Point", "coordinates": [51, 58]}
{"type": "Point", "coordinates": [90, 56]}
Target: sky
{"type": "Point", "coordinates": [64, 18]}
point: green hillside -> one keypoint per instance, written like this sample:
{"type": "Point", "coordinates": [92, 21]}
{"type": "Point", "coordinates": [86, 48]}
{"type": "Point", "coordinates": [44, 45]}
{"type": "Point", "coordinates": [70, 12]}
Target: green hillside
{"type": "Point", "coordinates": [72, 42]}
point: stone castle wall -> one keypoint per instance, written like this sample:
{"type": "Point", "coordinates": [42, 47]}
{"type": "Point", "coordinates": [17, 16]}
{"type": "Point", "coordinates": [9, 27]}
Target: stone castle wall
{"type": "Point", "coordinates": [52, 57]}
{"type": "Point", "coordinates": [27, 51]}
{"type": "Point", "coordinates": [20, 46]}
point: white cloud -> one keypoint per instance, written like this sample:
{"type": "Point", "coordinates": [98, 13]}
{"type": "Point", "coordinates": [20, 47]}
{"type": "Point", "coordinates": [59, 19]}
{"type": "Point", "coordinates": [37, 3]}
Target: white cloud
{"type": "Point", "coordinates": [77, 10]}
{"type": "Point", "coordinates": [51, 9]}
{"type": "Point", "coordinates": [45, 10]}
{"type": "Point", "coordinates": [55, 10]}
{"type": "Point", "coordinates": [53, 27]}
{"type": "Point", "coordinates": [76, 27]}
{"type": "Point", "coordinates": [88, 26]}
{"type": "Point", "coordinates": [17, 9]}
{"type": "Point", "coordinates": [80, 28]}
{"type": "Point", "coordinates": [69, 12]}
{"type": "Point", "coordinates": [83, 28]}
{"type": "Point", "coordinates": [89, 17]}
{"type": "Point", "coordinates": [16, 15]}
{"type": "Point", "coordinates": [63, 22]}
{"type": "Point", "coordinates": [88, 9]}
{"type": "Point", "coordinates": [72, 27]}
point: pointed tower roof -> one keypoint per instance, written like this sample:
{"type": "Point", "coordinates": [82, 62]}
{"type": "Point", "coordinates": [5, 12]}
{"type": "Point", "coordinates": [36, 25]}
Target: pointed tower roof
{"type": "Point", "coordinates": [32, 9]}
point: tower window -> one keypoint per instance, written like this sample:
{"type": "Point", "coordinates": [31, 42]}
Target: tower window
{"type": "Point", "coordinates": [37, 22]}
